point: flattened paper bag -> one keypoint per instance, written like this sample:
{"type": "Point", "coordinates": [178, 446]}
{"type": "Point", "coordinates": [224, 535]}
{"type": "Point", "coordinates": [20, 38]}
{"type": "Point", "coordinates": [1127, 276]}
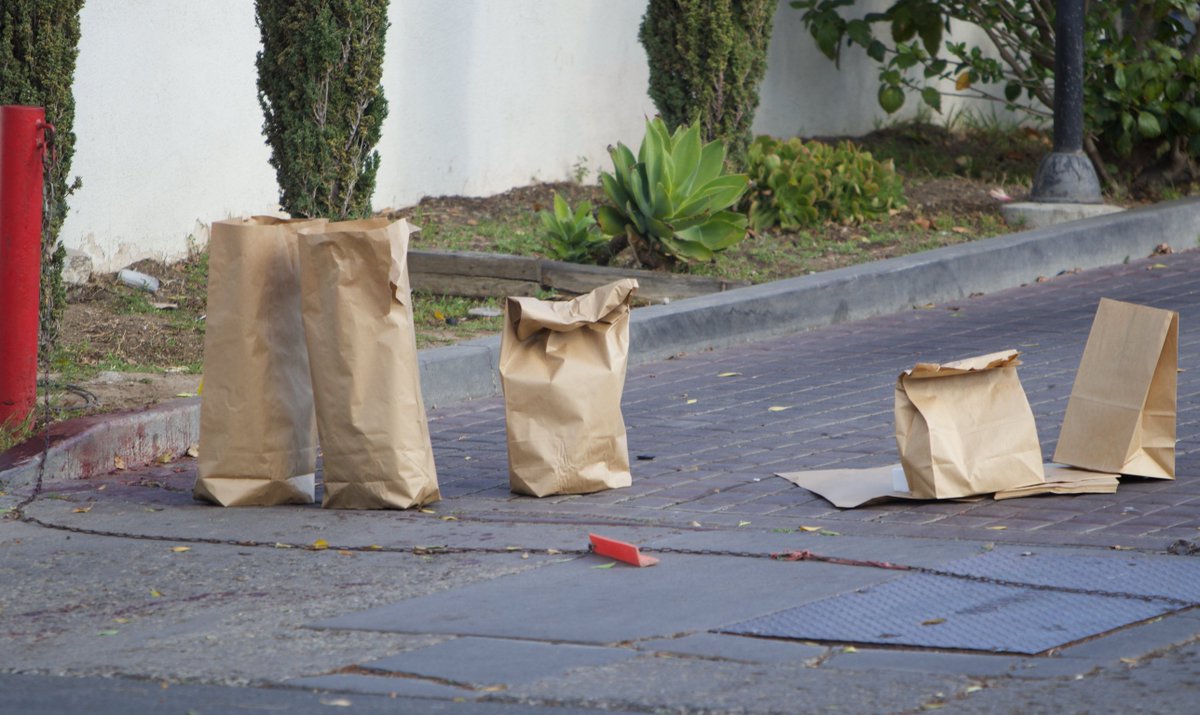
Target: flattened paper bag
{"type": "Point", "coordinates": [966, 428]}
{"type": "Point", "coordinates": [363, 353]}
{"type": "Point", "coordinates": [1121, 415]}
{"type": "Point", "coordinates": [258, 440]}
{"type": "Point", "coordinates": [562, 368]}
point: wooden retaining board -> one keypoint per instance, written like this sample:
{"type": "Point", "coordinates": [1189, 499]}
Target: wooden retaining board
{"type": "Point", "coordinates": [497, 275]}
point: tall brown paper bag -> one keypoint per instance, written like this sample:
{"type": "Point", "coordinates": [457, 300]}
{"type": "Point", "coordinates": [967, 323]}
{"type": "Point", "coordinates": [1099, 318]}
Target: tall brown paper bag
{"type": "Point", "coordinates": [966, 428]}
{"type": "Point", "coordinates": [1121, 414]}
{"type": "Point", "coordinates": [562, 369]}
{"type": "Point", "coordinates": [362, 348]}
{"type": "Point", "coordinates": [258, 441]}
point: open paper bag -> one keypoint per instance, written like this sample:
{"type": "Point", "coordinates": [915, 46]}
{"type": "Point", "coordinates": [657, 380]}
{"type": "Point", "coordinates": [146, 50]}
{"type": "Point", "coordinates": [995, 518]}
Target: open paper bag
{"type": "Point", "coordinates": [1121, 414]}
{"type": "Point", "coordinates": [966, 428]}
{"type": "Point", "coordinates": [362, 348]}
{"type": "Point", "coordinates": [258, 441]}
{"type": "Point", "coordinates": [562, 368]}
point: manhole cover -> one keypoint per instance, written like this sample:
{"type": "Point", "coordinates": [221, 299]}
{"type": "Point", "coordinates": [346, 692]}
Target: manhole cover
{"type": "Point", "coordinates": [928, 611]}
{"type": "Point", "coordinates": [1161, 576]}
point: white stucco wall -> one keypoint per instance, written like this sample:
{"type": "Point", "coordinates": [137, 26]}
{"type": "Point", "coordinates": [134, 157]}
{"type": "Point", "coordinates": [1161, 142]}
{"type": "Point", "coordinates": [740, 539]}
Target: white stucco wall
{"type": "Point", "coordinates": [484, 95]}
{"type": "Point", "coordinates": [167, 126]}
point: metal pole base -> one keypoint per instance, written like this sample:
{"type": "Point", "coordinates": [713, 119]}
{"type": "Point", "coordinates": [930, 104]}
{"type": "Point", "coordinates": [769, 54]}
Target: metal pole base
{"type": "Point", "coordinates": [1066, 178]}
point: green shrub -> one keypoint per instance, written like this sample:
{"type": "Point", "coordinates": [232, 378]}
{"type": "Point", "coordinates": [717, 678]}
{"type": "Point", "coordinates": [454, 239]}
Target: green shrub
{"type": "Point", "coordinates": [1141, 70]}
{"type": "Point", "coordinates": [571, 236]}
{"type": "Point", "coordinates": [39, 40]}
{"type": "Point", "coordinates": [672, 201]}
{"type": "Point", "coordinates": [707, 59]}
{"type": "Point", "coordinates": [798, 184]}
{"type": "Point", "coordinates": [318, 84]}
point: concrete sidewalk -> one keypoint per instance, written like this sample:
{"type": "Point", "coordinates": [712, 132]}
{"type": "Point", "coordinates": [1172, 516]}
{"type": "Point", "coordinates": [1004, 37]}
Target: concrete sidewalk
{"type": "Point", "coordinates": [486, 601]}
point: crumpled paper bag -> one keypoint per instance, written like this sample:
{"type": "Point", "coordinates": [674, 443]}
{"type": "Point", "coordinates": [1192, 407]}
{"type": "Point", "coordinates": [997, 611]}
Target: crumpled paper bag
{"type": "Point", "coordinates": [362, 348]}
{"type": "Point", "coordinates": [258, 441]}
{"type": "Point", "coordinates": [966, 428]}
{"type": "Point", "coordinates": [562, 369]}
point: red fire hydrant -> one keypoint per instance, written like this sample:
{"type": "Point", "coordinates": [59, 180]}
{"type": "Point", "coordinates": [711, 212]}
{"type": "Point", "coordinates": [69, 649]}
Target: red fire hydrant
{"type": "Point", "coordinates": [22, 143]}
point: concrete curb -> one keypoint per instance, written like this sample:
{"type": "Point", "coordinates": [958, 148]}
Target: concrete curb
{"type": "Point", "coordinates": [468, 370]}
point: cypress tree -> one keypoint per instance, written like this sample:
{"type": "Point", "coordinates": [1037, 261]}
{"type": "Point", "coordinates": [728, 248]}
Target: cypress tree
{"type": "Point", "coordinates": [318, 85]}
{"type": "Point", "coordinates": [39, 41]}
{"type": "Point", "coordinates": [707, 58]}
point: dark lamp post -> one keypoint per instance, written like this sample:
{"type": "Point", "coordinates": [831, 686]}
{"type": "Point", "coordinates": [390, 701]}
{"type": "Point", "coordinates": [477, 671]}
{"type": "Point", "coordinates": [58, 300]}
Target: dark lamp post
{"type": "Point", "coordinates": [1067, 175]}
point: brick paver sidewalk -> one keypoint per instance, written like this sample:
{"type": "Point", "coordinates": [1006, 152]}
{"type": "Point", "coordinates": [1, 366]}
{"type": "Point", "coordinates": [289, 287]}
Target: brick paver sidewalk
{"type": "Point", "coordinates": [708, 445]}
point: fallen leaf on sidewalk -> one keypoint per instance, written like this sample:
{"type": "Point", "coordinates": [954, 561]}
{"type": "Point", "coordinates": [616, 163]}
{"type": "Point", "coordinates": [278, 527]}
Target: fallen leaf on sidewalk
{"type": "Point", "coordinates": [449, 518]}
{"type": "Point", "coordinates": [165, 458]}
{"type": "Point", "coordinates": [83, 509]}
{"type": "Point", "coordinates": [109, 632]}
{"type": "Point", "coordinates": [743, 523]}
{"type": "Point", "coordinates": [320, 545]}
{"type": "Point", "coordinates": [553, 551]}
{"type": "Point", "coordinates": [375, 547]}
{"type": "Point", "coordinates": [729, 374]}
{"type": "Point", "coordinates": [180, 549]}
{"type": "Point", "coordinates": [999, 527]}
{"type": "Point", "coordinates": [118, 462]}
{"type": "Point", "coordinates": [155, 593]}
{"type": "Point", "coordinates": [810, 528]}
{"type": "Point", "coordinates": [849, 649]}
{"type": "Point", "coordinates": [692, 401]}
{"type": "Point", "coordinates": [695, 524]}
{"type": "Point", "coordinates": [193, 451]}
{"type": "Point", "coordinates": [777, 408]}
{"type": "Point", "coordinates": [608, 565]}
{"type": "Point", "coordinates": [933, 621]}
{"type": "Point", "coordinates": [280, 545]}
{"type": "Point", "coordinates": [428, 511]}
{"type": "Point", "coordinates": [120, 620]}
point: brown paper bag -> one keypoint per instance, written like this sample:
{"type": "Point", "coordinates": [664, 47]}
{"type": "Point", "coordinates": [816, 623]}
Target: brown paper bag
{"type": "Point", "coordinates": [966, 428]}
{"type": "Point", "coordinates": [258, 442]}
{"type": "Point", "coordinates": [1121, 414]}
{"type": "Point", "coordinates": [362, 347]}
{"type": "Point", "coordinates": [562, 369]}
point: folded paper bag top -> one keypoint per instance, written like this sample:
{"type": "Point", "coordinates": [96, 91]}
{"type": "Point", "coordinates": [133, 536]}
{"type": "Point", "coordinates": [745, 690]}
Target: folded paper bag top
{"type": "Point", "coordinates": [258, 441]}
{"type": "Point", "coordinates": [965, 428]}
{"type": "Point", "coordinates": [562, 368]}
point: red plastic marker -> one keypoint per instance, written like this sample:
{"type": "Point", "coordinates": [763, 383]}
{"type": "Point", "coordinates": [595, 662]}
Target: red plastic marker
{"type": "Point", "coordinates": [621, 551]}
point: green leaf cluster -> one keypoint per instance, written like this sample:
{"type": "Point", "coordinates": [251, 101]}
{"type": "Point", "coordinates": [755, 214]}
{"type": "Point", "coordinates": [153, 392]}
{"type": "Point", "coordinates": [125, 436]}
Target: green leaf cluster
{"type": "Point", "coordinates": [673, 198]}
{"type": "Point", "coordinates": [707, 59]}
{"type": "Point", "coordinates": [1141, 69]}
{"type": "Point", "coordinates": [39, 41]}
{"type": "Point", "coordinates": [798, 184]}
{"type": "Point", "coordinates": [319, 87]}
{"type": "Point", "coordinates": [571, 235]}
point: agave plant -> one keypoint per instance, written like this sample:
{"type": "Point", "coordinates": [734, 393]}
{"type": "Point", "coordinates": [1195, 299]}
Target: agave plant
{"type": "Point", "coordinates": [672, 201]}
{"type": "Point", "coordinates": [571, 235]}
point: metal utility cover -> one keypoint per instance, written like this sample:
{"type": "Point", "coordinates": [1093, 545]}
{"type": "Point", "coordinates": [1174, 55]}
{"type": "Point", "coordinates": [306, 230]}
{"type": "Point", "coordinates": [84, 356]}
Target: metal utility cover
{"type": "Point", "coordinates": [940, 612]}
{"type": "Point", "coordinates": [1156, 576]}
